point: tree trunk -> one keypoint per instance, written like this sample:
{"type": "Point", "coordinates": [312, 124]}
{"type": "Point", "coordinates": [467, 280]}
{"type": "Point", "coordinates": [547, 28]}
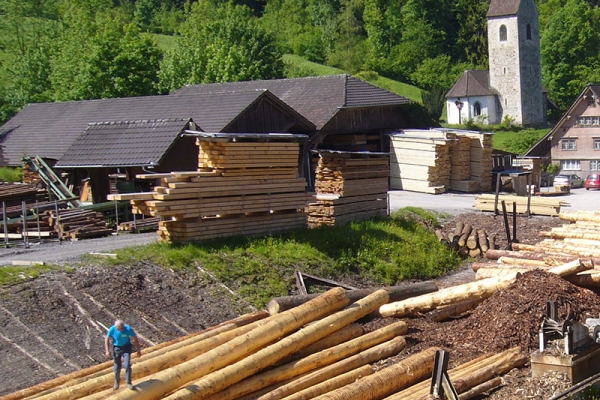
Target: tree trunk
{"type": "Point", "coordinates": [483, 241]}
{"type": "Point", "coordinates": [369, 356]}
{"type": "Point", "coordinates": [332, 384]}
{"type": "Point", "coordinates": [311, 362]}
{"type": "Point", "coordinates": [485, 273]}
{"type": "Point", "coordinates": [462, 241]}
{"type": "Point", "coordinates": [521, 261]}
{"type": "Point", "coordinates": [452, 295]}
{"type": "Point", "coordinates": [480, 389]}
{"type": "Point", "coordinates": [231, 374]}
{"type": "Point", "coordinates": [158, 385]}
{"type": "Point", "coordinates": [456, 309]}
{"type": "Point", "coordinates": [153, 362]}
{"type": "Point", "coordinates": [474, 253]}
{"type": "Point", "coordinates": [472, 240]}
{"type": "Point", "coordinates": [345, 334]}
{"type": "Point", "coordinates": [397, 293]}
{"type": "Point", "coordinates": [570, 268]}
{"type": "Point", "coordinates": [588, 279]}
{"type": "Point", "coordinates": [388, 380]}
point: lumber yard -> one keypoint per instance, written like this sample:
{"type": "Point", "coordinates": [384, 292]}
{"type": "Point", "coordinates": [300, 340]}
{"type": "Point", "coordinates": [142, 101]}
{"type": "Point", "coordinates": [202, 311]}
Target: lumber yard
{"type": "Point", "coordinates": [531, 313]}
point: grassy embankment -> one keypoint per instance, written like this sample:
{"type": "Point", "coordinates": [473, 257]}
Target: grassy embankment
{"type": "Point", "coordinates": [384, 251]}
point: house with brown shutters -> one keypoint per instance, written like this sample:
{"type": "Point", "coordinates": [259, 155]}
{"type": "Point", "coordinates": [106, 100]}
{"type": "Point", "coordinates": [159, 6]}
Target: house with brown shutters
{"type": "Point", "coordinates": [574, 142]}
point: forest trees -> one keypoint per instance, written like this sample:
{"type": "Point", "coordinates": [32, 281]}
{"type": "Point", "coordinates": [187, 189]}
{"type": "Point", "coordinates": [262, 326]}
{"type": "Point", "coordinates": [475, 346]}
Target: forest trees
{"type": "Point", "coordinates": [222, 43]}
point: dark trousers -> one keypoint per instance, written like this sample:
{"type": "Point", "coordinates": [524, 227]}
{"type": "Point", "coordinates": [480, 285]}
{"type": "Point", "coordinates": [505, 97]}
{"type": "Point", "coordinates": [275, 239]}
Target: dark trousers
{"type": "Point", "coordinates": [122, 352]}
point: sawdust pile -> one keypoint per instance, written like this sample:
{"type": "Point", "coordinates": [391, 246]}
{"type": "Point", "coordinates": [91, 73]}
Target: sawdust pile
{"type": "Point", "coordinates": [512, 317]}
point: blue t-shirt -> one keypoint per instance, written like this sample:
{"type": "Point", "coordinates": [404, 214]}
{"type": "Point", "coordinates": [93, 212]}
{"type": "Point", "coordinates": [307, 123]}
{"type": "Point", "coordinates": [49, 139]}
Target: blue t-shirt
{"type": "Point", "coordinates": [120, 338]}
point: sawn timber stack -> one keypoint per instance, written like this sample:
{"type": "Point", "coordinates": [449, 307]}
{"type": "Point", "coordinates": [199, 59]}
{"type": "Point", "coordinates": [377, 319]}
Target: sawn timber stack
{"type": "Point", "coordinates": [244, 187]}
{"type": "Point", "coordinates": [350, 186]}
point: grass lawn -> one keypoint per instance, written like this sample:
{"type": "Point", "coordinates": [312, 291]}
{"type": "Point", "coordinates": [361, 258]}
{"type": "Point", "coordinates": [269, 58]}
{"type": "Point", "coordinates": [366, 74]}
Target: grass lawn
{"type": "Point", "coordinates": [501, 138]}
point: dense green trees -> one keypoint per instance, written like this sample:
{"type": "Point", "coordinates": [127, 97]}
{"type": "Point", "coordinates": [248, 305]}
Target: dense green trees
{"type": "Point", "coordinates": [77, 49]}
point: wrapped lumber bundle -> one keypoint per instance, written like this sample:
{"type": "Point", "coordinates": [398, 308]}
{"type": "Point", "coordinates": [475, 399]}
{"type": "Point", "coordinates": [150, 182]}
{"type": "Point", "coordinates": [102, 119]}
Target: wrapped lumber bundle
{"type": "Point", "coordinates": [420, 164]}
{"type": "Point", "coordinates": [241, 188]}
{"type": "Point", "coordinates": [538, 206]}
{"type": "Point", "coordinates": [349, 186]}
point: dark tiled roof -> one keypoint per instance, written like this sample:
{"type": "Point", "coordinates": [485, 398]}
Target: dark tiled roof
{"type": "Point", "coordinates": [49, 129]}
{"type": "Point", "coordinates": [499, 8]}
{"type": "Point", "coordinates": [472, 83]}
{"type": "Point", "coordinates": [123, 143]}
{"type": "Point", "coordinates": [316, 98]}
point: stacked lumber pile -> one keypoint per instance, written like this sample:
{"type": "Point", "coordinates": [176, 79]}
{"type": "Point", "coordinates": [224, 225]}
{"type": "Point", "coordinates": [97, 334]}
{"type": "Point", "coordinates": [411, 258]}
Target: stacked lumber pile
{"type": "Point", "coordinates": [539, 205]}
{"type": "Point", "coordinates": [140, 225]}
{"type": "Point", "coordinates": [349, 186]}
{"type": "Point", "coordinates": [467, 240]}
{"type": "Point", "coordinates": [240, 188]}
{"type": "Point", "coordinates": [29, 176]}
{"type": "Point", "coordinates": [576, 243]}
{"type": "Point", "coordinates": [420, 164]}
{"type": "Point", "coordinates": [313, 351]}
{"type": "Point", "coordinates": [437, 160]}
{"type": "Point", "coordinates": [74, 224]}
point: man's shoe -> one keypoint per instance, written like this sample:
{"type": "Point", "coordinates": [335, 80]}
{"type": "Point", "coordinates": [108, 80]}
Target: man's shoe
{"type": "Point", "coordinates": [116, 386]}
{"type": "Point", "coordinates": [129, 386]}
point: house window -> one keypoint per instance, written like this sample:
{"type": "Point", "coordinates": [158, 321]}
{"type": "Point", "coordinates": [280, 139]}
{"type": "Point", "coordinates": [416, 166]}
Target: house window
{"type": "Point", "coordinates": [503, 34]}
{"type": "Point", "coordinates": [588, 121]}
{"type": "Point", "coordinates": [594, 165]}
{"type": "Point", "coordinates": [591, 101]}
{"type": "Point", "coordinates": [570, 165]}
{"type": "Point", "coordinates": [596, 144]}
{"type": "Point", "coordinates": [477, 109]}
{"type": "Point", "coordinates": [528, 29]}
{"type": "Point", "coordinates": [569, 144]}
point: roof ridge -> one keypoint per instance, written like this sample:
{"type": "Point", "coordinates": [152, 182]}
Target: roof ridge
{"type": "Point", "coordinates": [138, 121]}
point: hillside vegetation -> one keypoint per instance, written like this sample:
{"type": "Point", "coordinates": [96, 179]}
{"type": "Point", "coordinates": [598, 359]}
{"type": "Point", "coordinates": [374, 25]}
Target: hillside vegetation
{"type": "Point", "coordinates": [82, 49]}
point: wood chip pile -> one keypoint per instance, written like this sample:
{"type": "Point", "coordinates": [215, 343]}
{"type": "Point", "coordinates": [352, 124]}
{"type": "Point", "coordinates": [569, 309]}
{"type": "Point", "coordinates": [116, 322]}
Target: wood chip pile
{"type": "Point", "coordinates": [240, 188]}
{"type": "Point", "coordinates": [549, 206]}
{"type": "Point", "coordinates": [435, 161]}
{"type": "Point", "coordinates": [349, 186]}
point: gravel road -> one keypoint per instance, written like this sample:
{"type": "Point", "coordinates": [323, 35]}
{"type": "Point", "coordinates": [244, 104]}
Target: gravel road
{"type": "Point", "coordinates": [450, 203]}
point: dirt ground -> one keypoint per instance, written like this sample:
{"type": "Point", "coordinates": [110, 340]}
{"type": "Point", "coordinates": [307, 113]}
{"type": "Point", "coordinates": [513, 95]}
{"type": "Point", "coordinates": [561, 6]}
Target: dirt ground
{"type": "Point", "coordinates": [55, 324]}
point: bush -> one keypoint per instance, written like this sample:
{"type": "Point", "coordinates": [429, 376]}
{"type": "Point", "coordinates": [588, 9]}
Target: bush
{"type": "Point", "coordinates": [8, 174]}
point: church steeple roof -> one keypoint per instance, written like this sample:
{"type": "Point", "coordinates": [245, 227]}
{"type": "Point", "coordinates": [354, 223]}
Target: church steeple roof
{"type": "Point", "coordinates": [500, 8]}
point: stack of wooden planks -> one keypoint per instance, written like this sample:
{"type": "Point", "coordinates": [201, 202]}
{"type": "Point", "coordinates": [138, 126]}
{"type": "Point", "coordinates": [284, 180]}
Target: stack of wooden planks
{"type": "Point", "coordinates": [74, 224]}
{"type": "Point", "coordinates": [349, 186]}
{"type": "Point", "coordinates": [539, 205]}
{"type": "Point", "coordinates": [140, 225]}
{"type": "Point", "coordinates": [240, 188]}
{"type": "Point", "coordinates": [437, 160]}
{"type": "Point", "coordinates": [576, 244]}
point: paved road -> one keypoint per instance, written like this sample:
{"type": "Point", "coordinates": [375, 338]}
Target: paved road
{"type": "Point", "coordinates": [451, 203]}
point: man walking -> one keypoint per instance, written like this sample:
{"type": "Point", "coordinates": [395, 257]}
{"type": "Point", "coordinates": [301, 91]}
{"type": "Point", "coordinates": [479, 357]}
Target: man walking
{"type": "Point", "coordinates": [121, 336]}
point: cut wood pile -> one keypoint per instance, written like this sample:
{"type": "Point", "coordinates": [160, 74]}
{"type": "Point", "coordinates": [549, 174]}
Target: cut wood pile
{"type": "Point", "coordinates": [467, 240]}
{"type": "Point", "coordinates": [313, 351]}
{"type": "Point", "coordinates": [149, 224]}
{"type": "Point", "coordinates": [538, 205]}
{"type": "Point", "coordinates": [78, 223]}
{"type": "Point", "coordinates": [240, 188]}
{"type": "Point", "coordinates": [435, 161]}
{"type": "Point", "coordinates": [349, 186]}
{"type": "Point", "coordinates": [577, 242]}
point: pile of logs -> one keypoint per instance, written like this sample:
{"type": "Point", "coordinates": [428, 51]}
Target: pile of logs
{"type": "Point", "coordinates": [349, 186]}
{"type": "Point", "coordinates": [437, 160]}
{"type": "Point", "coordinates": [467, 240]}
{"type": "Point", "coordinates": [538, 205]}
{"type": "Point", "coordinates": [576, 243]}
{"type": "Point", "coordinates": [240, 188]}
{"type": "Point", "coordinates": [313, 351]}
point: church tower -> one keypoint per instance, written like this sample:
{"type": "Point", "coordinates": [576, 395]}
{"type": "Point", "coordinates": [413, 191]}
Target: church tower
{"type": "Point", "coordinates": [514, 58]}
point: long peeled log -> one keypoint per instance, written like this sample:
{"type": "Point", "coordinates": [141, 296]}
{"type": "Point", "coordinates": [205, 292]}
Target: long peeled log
{"type": "Point", "coordinates": [106, 367]}
{"type": "Point", "coordinates": [452, 295]}
{"type": "Point", "coordinates": [388, 380]}
{"type": "Point", "coordinates": [345, 334]}
{"type": "Point", "coordinates": [571, 268]}
{"type": "Point", "coordinates": [312, 362]}
{"type": "Point", "coordinates": [454, 310]}
{"type": "Point", "coordinates": [486, 273]}
{"type": "Point", "coordinates": [369, 356]}
{"type": "Point", "coordinates": [589, 279]}
{"type": "Point", "coordinates": [480, 389]}
{"type": "Point", "coordinates": [158, 385]}
{"type": "Point", "coordinates": [231, 374]}
{"type": "Point", "coordinates": [396, 293]}
{"type": "Point", "coordinates": [151, 363]}
{"type": "Point", "coordinates": [332, 384]}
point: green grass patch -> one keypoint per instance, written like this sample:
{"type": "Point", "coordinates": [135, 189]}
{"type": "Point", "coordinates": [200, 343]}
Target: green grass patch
{"type": "Point", "coordinates": [303, 67]}
{"type": "Point", "coordinates": [502, 139]}
{"type": "Point", "coordinates": [8, 174]}
{"type": "Point", "coordinates": [10, 275]}
{"type": "Point", "coordinates": [164, 42]}
{"type": "Point", "coordinates": [386, 251]}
